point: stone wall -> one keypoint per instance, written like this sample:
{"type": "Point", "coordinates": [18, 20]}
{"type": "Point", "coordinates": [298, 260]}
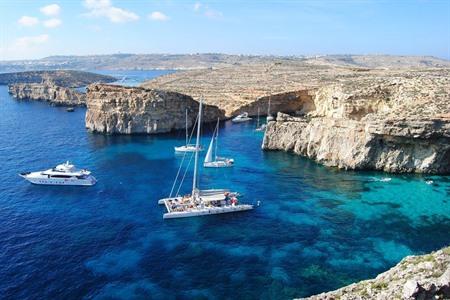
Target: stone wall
{"type": "Point", "coordinates": [133, 110]}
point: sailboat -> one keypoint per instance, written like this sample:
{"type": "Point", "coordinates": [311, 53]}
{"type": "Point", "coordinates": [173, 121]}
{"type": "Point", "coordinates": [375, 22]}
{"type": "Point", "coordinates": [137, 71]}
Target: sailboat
{"type": "Point", "coordinates": [188, 147]}
{"type": "Point", "coordinates": [201, 202]}
{"type": "Point", "coordinates": [218, 162]}
{"type": "Point", "coordinates": [258, 127]}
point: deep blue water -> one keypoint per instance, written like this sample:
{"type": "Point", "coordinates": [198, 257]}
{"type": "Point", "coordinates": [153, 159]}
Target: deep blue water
{"type": "Point", "coordinates": [317, 229]}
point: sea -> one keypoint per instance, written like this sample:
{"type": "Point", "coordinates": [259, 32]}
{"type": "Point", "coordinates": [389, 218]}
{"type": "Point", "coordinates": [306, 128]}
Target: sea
{"type": "Point", "coordinates": [316, 228]}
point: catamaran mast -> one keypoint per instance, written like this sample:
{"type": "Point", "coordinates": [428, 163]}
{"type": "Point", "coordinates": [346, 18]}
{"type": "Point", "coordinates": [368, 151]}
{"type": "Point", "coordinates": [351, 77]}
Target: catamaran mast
{"type": "Point", "coordinates": [197, 144]}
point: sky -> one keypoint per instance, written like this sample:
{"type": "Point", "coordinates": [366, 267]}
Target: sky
{"type": "Point", "coordinates": [31, 29]}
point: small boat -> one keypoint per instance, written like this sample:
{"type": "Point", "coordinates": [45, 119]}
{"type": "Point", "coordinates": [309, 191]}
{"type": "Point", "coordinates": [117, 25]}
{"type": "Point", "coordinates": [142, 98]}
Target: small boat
{"type": "Point", "coordinates": [200, 202]}
{"type": "Point", "coordinates": [188, 147]}
{"type": "Point", "coordinates": [241, 118]}
{"type": "Point", "coordinates": [261, 127]}
{"type": "Point", "coordinates": [63, 174]}
{"type": "Point", "coordinates": [70, 109]}
{"type": "Point", "coordinates": [218, 162]}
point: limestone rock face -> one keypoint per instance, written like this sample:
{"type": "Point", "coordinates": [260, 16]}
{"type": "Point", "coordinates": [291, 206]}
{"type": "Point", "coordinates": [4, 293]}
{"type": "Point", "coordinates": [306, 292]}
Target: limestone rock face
{"type": "Point", "coordinates": [47, 92]}
{"type": "Point", "coordinates": [415, 277]}
{"type": "Point", "coordinates": [384, 125]}
{"type": "Point", "coordinates": [133, 110]}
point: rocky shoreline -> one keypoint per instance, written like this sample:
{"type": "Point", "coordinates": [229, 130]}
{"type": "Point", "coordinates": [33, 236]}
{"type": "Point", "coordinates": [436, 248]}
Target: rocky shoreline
{"type": "Point", "coordinates": [415, 277]}
{"type": "Point", "coordinates": [56, 95]}
{"type": "Point", "coordinates": [133, 110]}
{"type": "Point", "coordinates": [381, 124]}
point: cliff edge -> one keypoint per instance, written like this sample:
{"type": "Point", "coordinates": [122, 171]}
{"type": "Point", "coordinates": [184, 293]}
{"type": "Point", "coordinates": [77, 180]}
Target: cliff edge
{"type": "Point", "coordinates": [133, 110]}
{"type": "Point", "coordinates": [399, 124]}
{"type": "Point", "coordinates": [49, 92]}
{"type": "Point", "coordinates": [415, 277]}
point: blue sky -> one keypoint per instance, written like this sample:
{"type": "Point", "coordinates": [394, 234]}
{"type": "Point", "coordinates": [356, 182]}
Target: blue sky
{"type": "Point", "coordinates": [35, 29]}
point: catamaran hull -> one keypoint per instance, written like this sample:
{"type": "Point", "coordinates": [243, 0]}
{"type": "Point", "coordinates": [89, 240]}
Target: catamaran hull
{"type": "Point", "coordinates": [208, 211]}
{"type": "Point", "coordinates": [43, 180]}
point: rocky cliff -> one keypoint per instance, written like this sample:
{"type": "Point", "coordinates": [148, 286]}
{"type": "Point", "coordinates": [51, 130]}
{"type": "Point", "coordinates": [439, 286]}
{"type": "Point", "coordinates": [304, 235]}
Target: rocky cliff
{"type": "Point", "coordinates": [129, 110]}
{"type": "Point", "coordinates": [47, 92]}
{"type": "Point", "coordinates": [399, 124]}
{"type": "Point", "coordinates": [415, 277]}
{"type": "Point", "coordinates": [63, 78]}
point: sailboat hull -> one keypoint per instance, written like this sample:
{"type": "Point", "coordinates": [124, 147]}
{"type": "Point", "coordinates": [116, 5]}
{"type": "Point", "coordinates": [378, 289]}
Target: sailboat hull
{"type": "Point", "coordinates": [219, 164]}
{"type": "Point", "coordinates": [188, 148]}
{"type": "Point", "coordinates": [207, 211]}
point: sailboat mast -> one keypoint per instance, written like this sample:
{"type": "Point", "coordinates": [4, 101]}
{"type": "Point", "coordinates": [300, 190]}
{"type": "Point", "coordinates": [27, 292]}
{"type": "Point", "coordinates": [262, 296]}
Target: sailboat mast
{"type": "Point", "coordinates": [257, 125]}
{"type": "Point", "coordinates": [187, 134]}
{"type": "Point", "coordinates": [197, 144]}
{"type": "Point", "coordinates": [217, 138]}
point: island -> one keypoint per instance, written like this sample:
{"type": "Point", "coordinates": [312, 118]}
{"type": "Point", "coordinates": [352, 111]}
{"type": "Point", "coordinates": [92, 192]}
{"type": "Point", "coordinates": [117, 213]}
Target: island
{"type": "Point", "coordinates": [55, 87]}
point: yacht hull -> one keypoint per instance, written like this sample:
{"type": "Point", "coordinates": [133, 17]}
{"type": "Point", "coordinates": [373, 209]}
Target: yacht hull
{"type": "Point", "coordinates": [44, 180]}
{"type": "Point", "coordinates": [241, 120]}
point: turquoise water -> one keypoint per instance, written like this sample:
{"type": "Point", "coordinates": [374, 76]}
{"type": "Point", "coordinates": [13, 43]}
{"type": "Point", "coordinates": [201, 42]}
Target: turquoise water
{"type": "Point", "coordinates": [317, 229]}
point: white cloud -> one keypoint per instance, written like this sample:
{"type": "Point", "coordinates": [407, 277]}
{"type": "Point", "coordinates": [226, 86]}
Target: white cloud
{"type": "Point", "coordinates": [51, 10]}
{"type": "Point", "coordinates": [52, 23]}
{"type": "Point", "coordinates": [28, 21]}
{"type": "Point", "coordinates": [29, 41]}
{"type": "Point", "coordinates": [207, 11]}
{"type": "Point", "coordinates": [197, 6]}
{"type": "Point", "coordinates": [158, 16]}
{"type": "Point", "coordinates": [104, 8]}
{"type": "Point", "coordinates": [213, 14]}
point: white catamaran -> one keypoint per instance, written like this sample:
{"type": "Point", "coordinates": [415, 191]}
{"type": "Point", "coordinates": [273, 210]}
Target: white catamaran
{"type": "Point", "coordinates": [201, 202]}
{"type": "Point", "coordinates": [218, 162]}
{"type": "Point", "coordinates": [188, 147]}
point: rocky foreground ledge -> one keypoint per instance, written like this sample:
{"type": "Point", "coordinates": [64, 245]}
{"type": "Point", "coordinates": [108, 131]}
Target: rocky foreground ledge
{"type": "Point", "coordinates": [388, 124]}
{"type": "Point", "coordinates": [133, 110]}
{"type": "Point", "coordinates": [415, 277]}
{"type": "Point", "coordinates": [49, 92]}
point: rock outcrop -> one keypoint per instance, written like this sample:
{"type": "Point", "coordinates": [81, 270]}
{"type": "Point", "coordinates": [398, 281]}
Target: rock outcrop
{"type": "Point", "coordinates": [54, 94]}
{"type": "Point", "coordinates": [389, 124]}
{"type": "Point", "coordinates": [415, 277]}
{"type": "Point", "coordinates": [133, 110]}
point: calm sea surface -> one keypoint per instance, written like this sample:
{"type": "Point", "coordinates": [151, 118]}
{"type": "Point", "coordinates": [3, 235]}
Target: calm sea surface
{"type": "Point", "coordinates": [317, 229]}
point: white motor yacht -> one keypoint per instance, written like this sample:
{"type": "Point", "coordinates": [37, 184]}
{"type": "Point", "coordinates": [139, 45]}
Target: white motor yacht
{"type": "Point", "coordinates": [200, 203]}
{"type": "Point", "coordinates": [63, 174]}
{"type": "Point", "coordinates": [241, 118]}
